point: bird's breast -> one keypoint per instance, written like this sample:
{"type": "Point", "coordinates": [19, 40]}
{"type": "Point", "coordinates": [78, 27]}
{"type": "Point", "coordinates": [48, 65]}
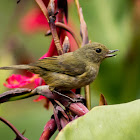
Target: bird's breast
{"type": "Point", "coordinates": [88, 76]}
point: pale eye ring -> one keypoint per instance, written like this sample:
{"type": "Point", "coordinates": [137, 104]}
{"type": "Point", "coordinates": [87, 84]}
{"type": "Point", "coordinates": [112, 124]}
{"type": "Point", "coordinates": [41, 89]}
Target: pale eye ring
{"type": "Point", "coordinates": [98, 50]}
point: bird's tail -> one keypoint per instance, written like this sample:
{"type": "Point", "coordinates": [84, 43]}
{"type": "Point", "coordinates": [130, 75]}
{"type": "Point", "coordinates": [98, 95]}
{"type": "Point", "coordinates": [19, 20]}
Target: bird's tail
{"type": "Point", "coordinates": [15, 67]}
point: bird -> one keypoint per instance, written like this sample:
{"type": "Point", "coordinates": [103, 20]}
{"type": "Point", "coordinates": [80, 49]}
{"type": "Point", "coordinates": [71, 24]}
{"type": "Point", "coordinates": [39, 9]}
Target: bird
{"type": "Point", "coordinates": [71, 70]}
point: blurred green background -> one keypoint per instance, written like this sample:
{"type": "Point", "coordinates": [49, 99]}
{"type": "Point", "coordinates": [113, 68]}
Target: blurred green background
{"type": "Point", "coordinates": [113, 23]}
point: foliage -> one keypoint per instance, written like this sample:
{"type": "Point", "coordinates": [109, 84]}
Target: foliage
{"type": "Point", "coordinates": [111, 122]}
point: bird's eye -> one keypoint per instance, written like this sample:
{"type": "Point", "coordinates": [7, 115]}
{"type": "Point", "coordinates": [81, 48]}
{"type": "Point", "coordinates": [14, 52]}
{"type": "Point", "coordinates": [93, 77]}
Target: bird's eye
{"type": "Point", "coordinates": [98, 50]}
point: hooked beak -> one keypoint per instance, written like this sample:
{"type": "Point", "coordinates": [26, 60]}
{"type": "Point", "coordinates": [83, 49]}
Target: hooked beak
{"type": "Point", "coordinates": [110, 53]}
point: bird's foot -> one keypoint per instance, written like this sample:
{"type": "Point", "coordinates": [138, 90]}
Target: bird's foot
{"type": "Point", "coordinates": [79, 98]}
{"type": "Point", "coordinates": [74, 100]}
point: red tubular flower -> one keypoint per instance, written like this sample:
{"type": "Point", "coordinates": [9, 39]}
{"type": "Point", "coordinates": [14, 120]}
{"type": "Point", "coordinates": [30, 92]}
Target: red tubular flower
{"type": "Point", "coordinates": [78, 108]}
{"type": "Point", "coordinates": [63, 122]}
{"type": "Point", "coordinates": [49, 130]}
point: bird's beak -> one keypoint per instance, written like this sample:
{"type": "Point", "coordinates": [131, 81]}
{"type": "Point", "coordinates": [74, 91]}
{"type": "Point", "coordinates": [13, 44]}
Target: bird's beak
{"type": "Point", "coordinates": [110, 53]}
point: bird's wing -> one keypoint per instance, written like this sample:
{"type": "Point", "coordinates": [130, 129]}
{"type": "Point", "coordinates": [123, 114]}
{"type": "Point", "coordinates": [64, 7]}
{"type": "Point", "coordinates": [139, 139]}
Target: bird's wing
{"type": "Point", "coordinates": [66, 64]}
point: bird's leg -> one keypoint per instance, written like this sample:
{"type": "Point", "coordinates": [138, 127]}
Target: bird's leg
{"type": "Point", "coordinates": [52, 89]}
{"type": "Point", "coordinates": [80, 98]}
{"type": "Point", "coordinates": [73, 100]}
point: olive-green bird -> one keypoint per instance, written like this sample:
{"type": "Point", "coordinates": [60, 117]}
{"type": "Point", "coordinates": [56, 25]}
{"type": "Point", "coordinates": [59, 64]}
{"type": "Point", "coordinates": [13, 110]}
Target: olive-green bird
{"type": "Point", "coordinates": [71, 70]}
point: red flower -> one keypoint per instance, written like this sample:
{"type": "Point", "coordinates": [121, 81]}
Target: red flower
{"type": "Point", "coordinates": [34, 21]}
{"type": "Point", "coordinates": [16, 81]}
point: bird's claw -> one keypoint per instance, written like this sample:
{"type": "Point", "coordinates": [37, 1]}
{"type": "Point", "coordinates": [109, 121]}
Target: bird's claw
{"type": "Point", "coordinates": [76, 100]}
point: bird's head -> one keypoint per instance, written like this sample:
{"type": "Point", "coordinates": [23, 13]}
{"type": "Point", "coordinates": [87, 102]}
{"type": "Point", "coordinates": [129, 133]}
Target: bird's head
{"type": "Point", "coordinates": [97, 52]}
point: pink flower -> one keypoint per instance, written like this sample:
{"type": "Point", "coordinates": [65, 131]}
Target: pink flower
{"type": "Point", "coordinates": [16, 81]}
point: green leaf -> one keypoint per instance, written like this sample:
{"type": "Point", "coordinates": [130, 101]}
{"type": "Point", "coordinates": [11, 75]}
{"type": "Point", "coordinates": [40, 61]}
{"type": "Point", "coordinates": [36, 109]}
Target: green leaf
{"type": "Point", "coordinates": [109, 122]}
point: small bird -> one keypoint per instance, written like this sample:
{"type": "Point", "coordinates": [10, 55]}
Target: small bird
{"type": "Point", "coordinates": [71, 70]}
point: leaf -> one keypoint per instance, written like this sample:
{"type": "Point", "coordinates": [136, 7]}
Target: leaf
{"type": "Point", "coordinates": [110, 122]}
